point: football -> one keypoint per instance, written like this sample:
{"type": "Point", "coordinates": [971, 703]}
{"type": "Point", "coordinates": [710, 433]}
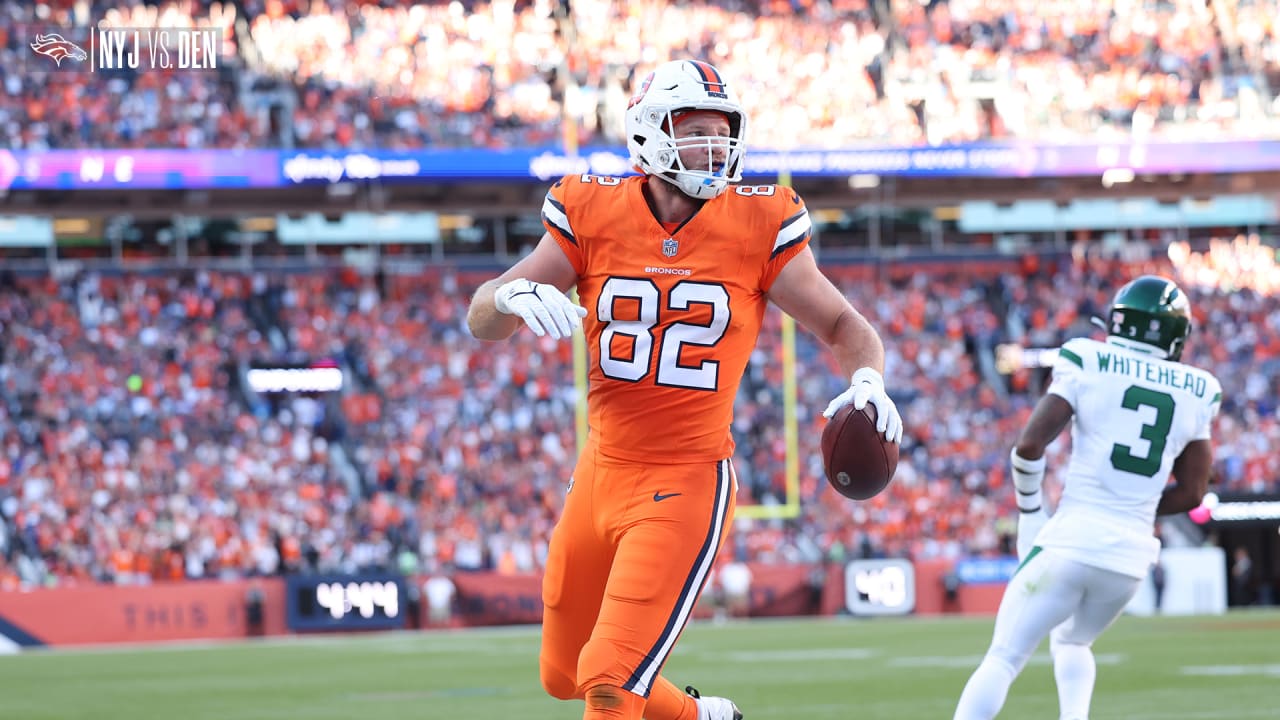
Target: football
{"type": "Point", "coordinates": [858, 461]}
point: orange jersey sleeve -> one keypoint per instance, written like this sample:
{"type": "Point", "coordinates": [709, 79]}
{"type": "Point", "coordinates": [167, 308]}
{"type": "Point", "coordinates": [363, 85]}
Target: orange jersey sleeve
{"type": "Point", "coordinates": [555, 218]}
{"type": "Point", "coordinates": [672, 318]}
{"type": "Point", "coordinates": [792, 236]}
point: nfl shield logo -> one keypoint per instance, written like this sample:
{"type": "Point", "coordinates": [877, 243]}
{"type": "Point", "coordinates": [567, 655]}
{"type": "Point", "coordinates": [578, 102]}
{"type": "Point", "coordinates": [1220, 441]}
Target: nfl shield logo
{"type": "Point", "coordinates": [670, 247]}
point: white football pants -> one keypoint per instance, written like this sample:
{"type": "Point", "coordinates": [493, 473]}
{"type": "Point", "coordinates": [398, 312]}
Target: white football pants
{"type": "Point", "coordinates": [1049, 593]}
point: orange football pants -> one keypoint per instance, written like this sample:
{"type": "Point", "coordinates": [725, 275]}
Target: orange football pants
{"type": "Point", "coordinates": [625, 566]}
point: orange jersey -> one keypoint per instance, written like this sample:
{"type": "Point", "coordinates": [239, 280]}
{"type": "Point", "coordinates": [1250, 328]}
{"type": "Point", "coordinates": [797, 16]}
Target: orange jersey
{"type": "Point", "coordinates": [672, 317]}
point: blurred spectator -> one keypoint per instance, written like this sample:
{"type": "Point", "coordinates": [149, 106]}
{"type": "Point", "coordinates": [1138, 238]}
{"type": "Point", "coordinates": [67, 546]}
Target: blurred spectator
{"type": "Point", "coordinates": [440, 591]}
{"type": "Point", "coordinates": [735, 579]}
{"type": "Point", "coordinates": [1242, 577]}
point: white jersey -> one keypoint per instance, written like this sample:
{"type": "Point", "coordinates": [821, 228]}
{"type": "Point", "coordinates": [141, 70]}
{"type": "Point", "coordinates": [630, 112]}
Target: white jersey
{"type": "Point", "coordinates": [1134, 415]}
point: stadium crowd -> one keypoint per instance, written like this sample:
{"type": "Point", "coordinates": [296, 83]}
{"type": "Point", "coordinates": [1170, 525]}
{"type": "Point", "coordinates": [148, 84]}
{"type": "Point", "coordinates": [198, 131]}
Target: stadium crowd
{"type": "Point", "coordinates": [352, 74]}
{"type": "Point", "coordinates": [131, 449]}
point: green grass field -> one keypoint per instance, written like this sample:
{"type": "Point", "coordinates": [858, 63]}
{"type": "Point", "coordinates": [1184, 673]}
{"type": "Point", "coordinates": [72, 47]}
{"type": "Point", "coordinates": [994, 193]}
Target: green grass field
{"type": "Point", "coordinates": [895, 669]}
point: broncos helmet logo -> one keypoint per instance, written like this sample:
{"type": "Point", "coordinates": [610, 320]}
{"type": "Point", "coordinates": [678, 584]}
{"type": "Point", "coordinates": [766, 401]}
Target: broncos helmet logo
{"type": "Point", "coordinates": [644, 88]}
{"type": "Point", "coordinates": [59, 48]}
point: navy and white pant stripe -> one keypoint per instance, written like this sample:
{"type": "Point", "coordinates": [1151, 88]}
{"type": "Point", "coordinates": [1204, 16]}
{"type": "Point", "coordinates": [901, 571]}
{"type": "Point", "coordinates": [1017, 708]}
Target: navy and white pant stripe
{"type": "Point", "coordinates": [642, 679]}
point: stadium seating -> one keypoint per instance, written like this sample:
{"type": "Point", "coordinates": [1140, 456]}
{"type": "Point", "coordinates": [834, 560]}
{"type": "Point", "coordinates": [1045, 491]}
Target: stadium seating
{"type": "Point", "coordinates": [131, 452]}
{"type": "Point", "coordinates": [401, 75]}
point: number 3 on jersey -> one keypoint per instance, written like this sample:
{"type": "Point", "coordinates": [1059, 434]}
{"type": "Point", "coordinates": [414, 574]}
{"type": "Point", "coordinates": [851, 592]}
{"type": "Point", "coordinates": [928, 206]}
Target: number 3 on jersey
{"type": "Point", "coordinates": [641, 331]}
{"type": "Point", "coordinates": [1156, 433]}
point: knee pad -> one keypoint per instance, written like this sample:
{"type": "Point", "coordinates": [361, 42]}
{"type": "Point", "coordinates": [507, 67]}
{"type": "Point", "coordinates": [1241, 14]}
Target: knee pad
{"type": "Point", "coordinates": [605, 697]}
{"type": "Point", "coordinates": [556, 682]}
{"type": "Point", "coordinates": [607, 702]}
{"type": "Point", "coordinates": [600, 663]}
{"type": "Point", "coordinates": [1008, 659]}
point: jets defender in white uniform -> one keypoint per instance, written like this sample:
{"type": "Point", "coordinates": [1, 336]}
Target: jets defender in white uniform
{"type": "Point", "coordinates": [1139, 416]}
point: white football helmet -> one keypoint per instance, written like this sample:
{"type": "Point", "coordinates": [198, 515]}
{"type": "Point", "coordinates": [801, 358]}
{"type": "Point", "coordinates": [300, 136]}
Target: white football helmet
{"type": "Point", "coordinates": [685, 85]}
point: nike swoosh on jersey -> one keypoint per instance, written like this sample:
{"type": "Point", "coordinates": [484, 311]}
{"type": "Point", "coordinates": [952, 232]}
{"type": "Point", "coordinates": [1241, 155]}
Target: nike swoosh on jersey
{"type": "Point", "coordinates": [659, 497]}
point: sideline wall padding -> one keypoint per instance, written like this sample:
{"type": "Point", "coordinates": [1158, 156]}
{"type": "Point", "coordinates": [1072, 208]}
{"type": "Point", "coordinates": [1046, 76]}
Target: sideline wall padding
{"type": "Point", "coordinates": [95, 614]}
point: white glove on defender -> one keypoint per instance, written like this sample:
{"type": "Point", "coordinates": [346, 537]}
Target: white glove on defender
{"type": "Point", "coordinates": [542, 307]}
{"type": "Point", "coordinates": [868, 387]}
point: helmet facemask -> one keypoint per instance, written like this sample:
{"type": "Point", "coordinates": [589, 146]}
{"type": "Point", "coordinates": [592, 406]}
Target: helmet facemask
{"type": "Point", "coordinates": [652, 120]}
{"type": "Point", "coordinates": [716, 160]}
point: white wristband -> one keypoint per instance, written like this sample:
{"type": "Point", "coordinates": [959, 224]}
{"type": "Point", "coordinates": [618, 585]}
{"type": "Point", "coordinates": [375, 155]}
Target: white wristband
{"type": "Point", "coordinates": [1027, 478]}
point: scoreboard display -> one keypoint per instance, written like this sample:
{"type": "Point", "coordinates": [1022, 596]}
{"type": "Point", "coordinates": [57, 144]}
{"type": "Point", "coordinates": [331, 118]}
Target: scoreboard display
{"type": "Point", "coordinates": [880, 587]}
{"type": "Point", "coordinates": [345, 602]}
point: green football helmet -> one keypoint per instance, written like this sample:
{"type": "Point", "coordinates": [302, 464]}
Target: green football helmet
{"type": "Point", "coordinates": [1153, 311]}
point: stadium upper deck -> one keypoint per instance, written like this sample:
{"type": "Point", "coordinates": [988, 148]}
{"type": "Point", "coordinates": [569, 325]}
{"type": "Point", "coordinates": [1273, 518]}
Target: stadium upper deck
{"type": "Point", "coordinates": [506, 74]}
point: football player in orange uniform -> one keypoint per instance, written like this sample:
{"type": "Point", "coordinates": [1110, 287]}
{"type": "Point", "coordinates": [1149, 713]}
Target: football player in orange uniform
{"type": "Point", "coordinates": [674, 269]}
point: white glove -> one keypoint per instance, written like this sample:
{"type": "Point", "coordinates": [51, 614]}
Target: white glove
{"type": "Point", "coordinates": [868, 386]}
{"type": "Point", "coordinates": [542, 307]}
{"type": "Point", "coordinates": [1029, 524]}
